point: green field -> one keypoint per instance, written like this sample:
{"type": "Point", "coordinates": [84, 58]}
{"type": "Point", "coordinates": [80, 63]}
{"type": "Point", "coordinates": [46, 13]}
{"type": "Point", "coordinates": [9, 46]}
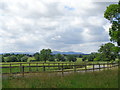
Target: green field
{"type": "Point", "coordinates": [101, 79]}
{"type": "Point", "coordinates": [40, 69]}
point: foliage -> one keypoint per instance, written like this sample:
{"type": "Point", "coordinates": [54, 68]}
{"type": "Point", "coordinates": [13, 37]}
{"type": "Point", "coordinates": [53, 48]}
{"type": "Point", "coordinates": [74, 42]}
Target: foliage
{"type": "Point", "coordinates": [99, 57]}
{"type": "Point", "coordinates": [12, 59]}
{"type": "Point", "coordinates": [111, 11]}
{"type": "Point", "coordinates": [109, 51]}
{"type": "Point", "coordinates": [51, 58]}
{"type": "Point", "coordinates": [60, 57]}
{"type": "Point", "coordinates": [71, 58]}
{"type": "Point", "coordinates": [114, 32]}
{"type": "Point", "coordinates": [24, 59]}
{"type": "Point", "coordinates": [84, 57]}
{"type": "Point", "coordinates": [37, 56]}
{"type": "Point", "coordinates": [7, 54]}
{"type": "Point", "coordinates": [2, 57]}
{"type": "Point", "coordinates": [45, 54]}
{"type": "Point", "coordinates": [113, 15]}
{"type": "Point", "coordinates": [19, 56]}
{"type": "Point", "coordinates": [91, 56]}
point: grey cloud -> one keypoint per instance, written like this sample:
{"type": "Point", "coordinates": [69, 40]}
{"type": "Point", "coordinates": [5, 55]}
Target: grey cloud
{"type": "Point", "coordinates": [30, 29]}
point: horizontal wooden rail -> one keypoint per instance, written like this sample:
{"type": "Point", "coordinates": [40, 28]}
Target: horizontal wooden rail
{"type": "Point", "coordinates": [58, 67]}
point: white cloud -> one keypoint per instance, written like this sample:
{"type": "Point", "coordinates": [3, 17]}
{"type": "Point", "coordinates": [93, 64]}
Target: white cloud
{"type": "Point", "coordinates": [107, 26]}
{"type": "Point", "coordinates": [31, 25]}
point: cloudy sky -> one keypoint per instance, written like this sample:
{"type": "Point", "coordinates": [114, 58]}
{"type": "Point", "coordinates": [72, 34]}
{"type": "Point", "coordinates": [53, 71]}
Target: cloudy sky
{"type": "Point", "coordinates": [61, 25]}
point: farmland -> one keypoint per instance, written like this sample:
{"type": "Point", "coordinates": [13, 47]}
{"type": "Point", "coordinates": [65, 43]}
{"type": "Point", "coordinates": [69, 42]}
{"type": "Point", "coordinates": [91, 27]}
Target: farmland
{"type": "Point", "coordinates": [15, 67]}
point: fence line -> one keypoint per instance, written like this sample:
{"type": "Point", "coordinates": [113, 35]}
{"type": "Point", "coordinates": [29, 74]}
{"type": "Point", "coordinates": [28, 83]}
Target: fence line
{"type": "Point", "coordinates": [62, 67]}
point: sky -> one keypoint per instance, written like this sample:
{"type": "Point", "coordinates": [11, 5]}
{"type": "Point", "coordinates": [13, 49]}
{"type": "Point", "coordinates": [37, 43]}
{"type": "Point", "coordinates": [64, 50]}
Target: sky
{"type": "Point", "coordinates": [61, 25]}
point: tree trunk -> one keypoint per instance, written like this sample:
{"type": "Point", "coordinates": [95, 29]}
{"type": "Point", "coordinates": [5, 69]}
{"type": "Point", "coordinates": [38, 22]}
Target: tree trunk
{"type": "Point", "coordinates": [118, 43]}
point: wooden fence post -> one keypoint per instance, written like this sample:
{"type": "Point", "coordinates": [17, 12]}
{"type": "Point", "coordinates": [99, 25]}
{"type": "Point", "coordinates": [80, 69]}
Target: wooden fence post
{"type": "Point", "coordinates": [58, 66]}
{"type": "Point", "coordinates": [99, 66]}
{"type": "Point", "coordinates": [36, 66]}
{"type": "Point", "coordinates": [23, 71]}
{"type": "Point", "coordinates": [70, 65]}
{"type": "Point", "coordinates": [113, 64]}
{"type": "Point", "coordinates": [62, 69]}
{"type": "Point", "coordinates": [85, 67]}
{"type": "Point", "coordinates": [20, 67]}
{"type": "Point", "coordinates": [48, 66]}
{"type": "Point", "coordinates": [43, 67]}
{"type": "Point", "coordinates": [74, 68]}
{"type": "Point", "coordinates": [110, 65]}
{"type": "Point", "coordinates": [107, 66]}
{"type": "Point", "coordinates": [104, 66]}
{"type": "Point", "coordinates": [29, 68]}
{"type": "Point", "coordinates": [10, 69]}
{"type": "Point", "coordinates": [93, 67]}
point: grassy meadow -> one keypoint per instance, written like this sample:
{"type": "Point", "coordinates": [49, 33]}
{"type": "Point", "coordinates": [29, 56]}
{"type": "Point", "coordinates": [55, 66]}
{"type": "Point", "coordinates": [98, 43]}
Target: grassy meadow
{"type": "Point", "coordinates": [40, 63]}
{"type": "Point", "coordinates": [98, 79]}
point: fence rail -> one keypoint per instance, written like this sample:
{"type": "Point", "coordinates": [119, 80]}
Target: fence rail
{"type": "Point", "coordinates": [57, 67]}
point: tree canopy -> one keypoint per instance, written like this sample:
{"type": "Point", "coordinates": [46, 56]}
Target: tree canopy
{"type": "Point", "coordinates": [109, 51]}
{"type": "Point", "coordinates": [37, 56]}
{"type": "Point", "coordinates": [45, 54]}
{"type": "Point", "coordinates": [71, 58]}
{"type": "Point", "coordinates": [60, 57]}
{"type": "Point", "coordinates": [113, 15]}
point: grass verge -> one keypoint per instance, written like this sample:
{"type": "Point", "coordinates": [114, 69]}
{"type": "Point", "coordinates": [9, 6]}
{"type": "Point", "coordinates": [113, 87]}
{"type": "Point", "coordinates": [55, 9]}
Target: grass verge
{"type": "Point", "coordinates": [98, 79]}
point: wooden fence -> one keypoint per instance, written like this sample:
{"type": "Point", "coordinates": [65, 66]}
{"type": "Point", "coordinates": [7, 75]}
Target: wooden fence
{"type": "Point", "coordinates": [56, 67]}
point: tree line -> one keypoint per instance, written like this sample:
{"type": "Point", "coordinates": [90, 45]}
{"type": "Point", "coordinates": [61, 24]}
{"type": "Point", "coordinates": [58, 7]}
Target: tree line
{"type": "Point", "coordinates": [106, 52]}
{"type": "Point", "coordinates": [43, 55]}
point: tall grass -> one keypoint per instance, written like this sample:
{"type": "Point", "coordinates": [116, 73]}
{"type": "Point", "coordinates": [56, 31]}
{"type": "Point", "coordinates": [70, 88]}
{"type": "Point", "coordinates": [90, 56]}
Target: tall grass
{"type": "Point", "coordinates": [98, 79]}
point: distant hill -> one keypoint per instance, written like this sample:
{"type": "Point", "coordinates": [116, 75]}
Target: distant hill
{"type": "Point", "coordinates": [58, 52]}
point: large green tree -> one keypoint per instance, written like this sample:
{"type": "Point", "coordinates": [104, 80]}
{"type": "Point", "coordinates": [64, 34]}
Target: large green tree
{"type": "Point", "coordinates": [45, 54]}
{"type": "Point", "coordinates": [71, 58]}
{"type": "Point", "coordinates": [109, 51]}
{"type": "Point", "coordinates": [99, 57]}
{"type": "Point", "coordinates": [112, 13]}
{"type": "Point", "coordinates": [1, 58]}
{"type": "Point", "coordinates": [19, 56]}
{"type": "Point", "coordinates": [52, 58]}
{"type": "Point", "coordinates": [12, 58]}
{"type": "Point", "coordinates": [24, 59]}
{"type": "Point", "coordinates": [37, 56]}
{"type": "Point", "coordinates": [92, 56]}
{"type": "Point", "coordinates": [60, 57]}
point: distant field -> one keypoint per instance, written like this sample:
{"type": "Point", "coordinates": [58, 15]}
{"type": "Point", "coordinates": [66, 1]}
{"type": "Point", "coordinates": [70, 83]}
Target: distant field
{"type": "Point", "coordinates": [40, 63]}
{"type": "Point", "coordinates": [79, 60]}
{"type": "Point", "coordinates": [34, 69]}
{"type": "Point", "coordinates": [30, 58]}
{"type": "Point", "coordinates": [101, 79]}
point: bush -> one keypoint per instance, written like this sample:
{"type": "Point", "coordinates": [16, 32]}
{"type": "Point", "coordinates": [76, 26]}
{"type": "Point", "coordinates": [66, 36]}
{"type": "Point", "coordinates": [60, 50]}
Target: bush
{"type": "Point", "coordinates": [71, 58]}
{"type": "Point", "coordinates": [24, 59]}
{"type": "Point", "coordinates": [11, 59]}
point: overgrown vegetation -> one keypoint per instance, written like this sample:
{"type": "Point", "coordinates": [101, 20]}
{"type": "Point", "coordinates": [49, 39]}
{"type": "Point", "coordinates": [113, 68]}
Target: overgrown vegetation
{"type": "Point", "coordinates": [102, 79]}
